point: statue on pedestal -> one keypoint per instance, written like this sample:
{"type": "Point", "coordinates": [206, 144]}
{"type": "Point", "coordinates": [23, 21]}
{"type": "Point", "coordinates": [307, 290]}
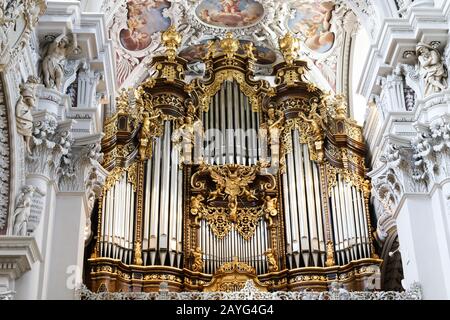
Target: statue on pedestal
{"type": "Point", "coordinates": [24, 118]}
{"type": "Point", "coordinates": [23, 211]}
{"type": "Point", "coordinates": [197, 265]}
{"type": "Point", "coordinates": [53, 64]}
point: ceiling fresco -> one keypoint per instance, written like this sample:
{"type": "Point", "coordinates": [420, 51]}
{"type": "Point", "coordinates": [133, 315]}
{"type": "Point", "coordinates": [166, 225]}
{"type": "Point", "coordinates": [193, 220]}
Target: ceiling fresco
{"type": "Point", "coordinates": [196, 53]}
{"type": "Point", "coordinates": [144, 19]}
{"type": "Point", "coordinates": [312, 21]}
{"type": "Point", "coordinates": [139, 25]}
{"type": "Point", "coordinates": [229, 13]}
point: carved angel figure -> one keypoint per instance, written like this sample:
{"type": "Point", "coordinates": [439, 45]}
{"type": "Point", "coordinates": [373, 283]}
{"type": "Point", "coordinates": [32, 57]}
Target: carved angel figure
{"type": "Point", "coordinates": [189, 135]}
{"type": "Point", "coordinates": [315, 130]}
{"type": "Point", "coordinates": [271, 261]}
{"type": "Point", "coordinates": [151, 127]}
{"type": "Point", "coordinates": [270, 132]}
{"type": "Point", "coordinates": [432, 68]}
{"type": "Point", "coordinates": [211, 49]}
{"type": "Point", "coordinates": [24, 118]}
{"type": "Point", "coordinates": [197, 254]}
{"type": "Point", "coordinates": [196, 206]}
{"type": "Point", "coordinates": [270, 208]}
{"type": "Point", "coordinates": [274, 124]}
{"type": "Point", "coordinates": [23, 211]}
{"type": "Point", "coordinates": [54, 61]}
{"type": "Point", "coordinates": [249, 48]}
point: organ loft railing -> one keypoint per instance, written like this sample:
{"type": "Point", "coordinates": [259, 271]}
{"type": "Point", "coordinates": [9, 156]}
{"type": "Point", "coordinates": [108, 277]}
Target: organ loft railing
{"type": "Point", "coordinates": [225, 179]}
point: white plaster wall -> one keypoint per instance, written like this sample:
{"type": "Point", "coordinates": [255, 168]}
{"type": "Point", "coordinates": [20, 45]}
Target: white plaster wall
{"type": "Point", "coordinates": [67, 253]}
{"type": "Point", "coordinates": [421, 244]}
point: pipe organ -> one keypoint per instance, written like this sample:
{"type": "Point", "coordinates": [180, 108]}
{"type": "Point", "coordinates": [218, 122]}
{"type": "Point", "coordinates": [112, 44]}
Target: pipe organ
{"type": "Point", "coordinates": [226, 179]}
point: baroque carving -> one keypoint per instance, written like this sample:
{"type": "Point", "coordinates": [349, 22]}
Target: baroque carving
{"type": "Point", "coordinates": [233, 195]}
{"type": "Point", "coordinates": [271, 260]}
{"type": "Point", "coordinates": [151, 128]}
{"type": "Point", "coordinates": [432, 69]}
{"type": "Point", "coordinates": [248, 290]}
{"type": "Point", "coordinates": [4, 159]}
{"type": "Point", "coordinates": [431, 147]}
{"type": "Point", "coordinates": [24, 106]}
{"type": "Point", "coordinates": [50, 144]}
{"type": "Point", "coordinates": [22, 211]}
{"type": "Point", "coordinates": [197, 264]}
{"type": "Point", "coordinates": [26, 11]}
{"type": "Point", "coordinates": [55, 59]}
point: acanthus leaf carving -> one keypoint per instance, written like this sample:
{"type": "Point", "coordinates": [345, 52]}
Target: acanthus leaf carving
{"type": "Point", "coordinates": [50, 143]}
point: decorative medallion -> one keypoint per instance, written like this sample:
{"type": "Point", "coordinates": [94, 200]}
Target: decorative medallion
{"type": "Point", "coordinates": [229, 13]}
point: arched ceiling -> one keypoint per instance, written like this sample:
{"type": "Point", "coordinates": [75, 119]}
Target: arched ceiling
{"type": "Point", "coordinates": [137, 25]}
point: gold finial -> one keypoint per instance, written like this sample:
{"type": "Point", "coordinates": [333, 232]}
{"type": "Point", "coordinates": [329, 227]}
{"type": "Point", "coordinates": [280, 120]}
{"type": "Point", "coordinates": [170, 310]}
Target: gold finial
{"type": "Point", "coordinates": [289, 46]}
{"type": "Point", "coordinates": [229, 45]}
{"type": "Point", "coordinates": [171, 39]}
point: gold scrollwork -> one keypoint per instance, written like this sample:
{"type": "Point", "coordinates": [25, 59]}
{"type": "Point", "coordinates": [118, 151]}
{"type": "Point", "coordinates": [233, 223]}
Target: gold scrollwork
{"type": "Point", "coordinates": [236, 266]}
{"type": "Point", "coordinates": [114, 176]}
{"type": "Point", "coordinates": [348, 177]}
{"type": "Point", "coordinates": [206, 92]}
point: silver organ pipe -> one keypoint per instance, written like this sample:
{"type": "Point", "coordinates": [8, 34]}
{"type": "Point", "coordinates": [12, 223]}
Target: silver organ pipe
{"type": "Point", "coordinates": [229, 132]}
{"type": "Point", "coordinates": [117, 228]}
{"type": "Point", "coordinates": [165, 192]}
{"type": "Point", "coordinates": [349, 222]}
{"type": "Point", "coordinates": [319, 210]}
{"type": "Point", "coordinates": [287, 221]}
{"type": "Point", "coordinates": [223, 124]}
{"type": "Point", "coordinates": [237, 124]}
{"type": "Point", "coordinates": [146, 222]}
{"type": "Point", "coordinates": [179, 218]}
{"type": "Point", "coordinates": [304, 222]}
{"type": "Point", "coordinates": [294, 212]}
{"type": "Point", "coordinates": [162, 231]}
{"type": "Point", "coordinates": [163, 214]}
{"type": "Point", "coordinates": [357, 218]}
{"type": "Point", "coordinates": [173, 206]}
{"type": "Point", "coordinates": [366, 234]}
{"type": "Point", "coordinates": [218, 251]}
{"type": "Point", "coordinates": [231, 128]}
{"type": "Point", "coordinates": [155, 193]}
{"type": "Point", "coordinates": [336, 231]}
{"type": "Point", "coordinates": [362, 225]}
{"type": "Point", "coordinates": [241, 128]}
